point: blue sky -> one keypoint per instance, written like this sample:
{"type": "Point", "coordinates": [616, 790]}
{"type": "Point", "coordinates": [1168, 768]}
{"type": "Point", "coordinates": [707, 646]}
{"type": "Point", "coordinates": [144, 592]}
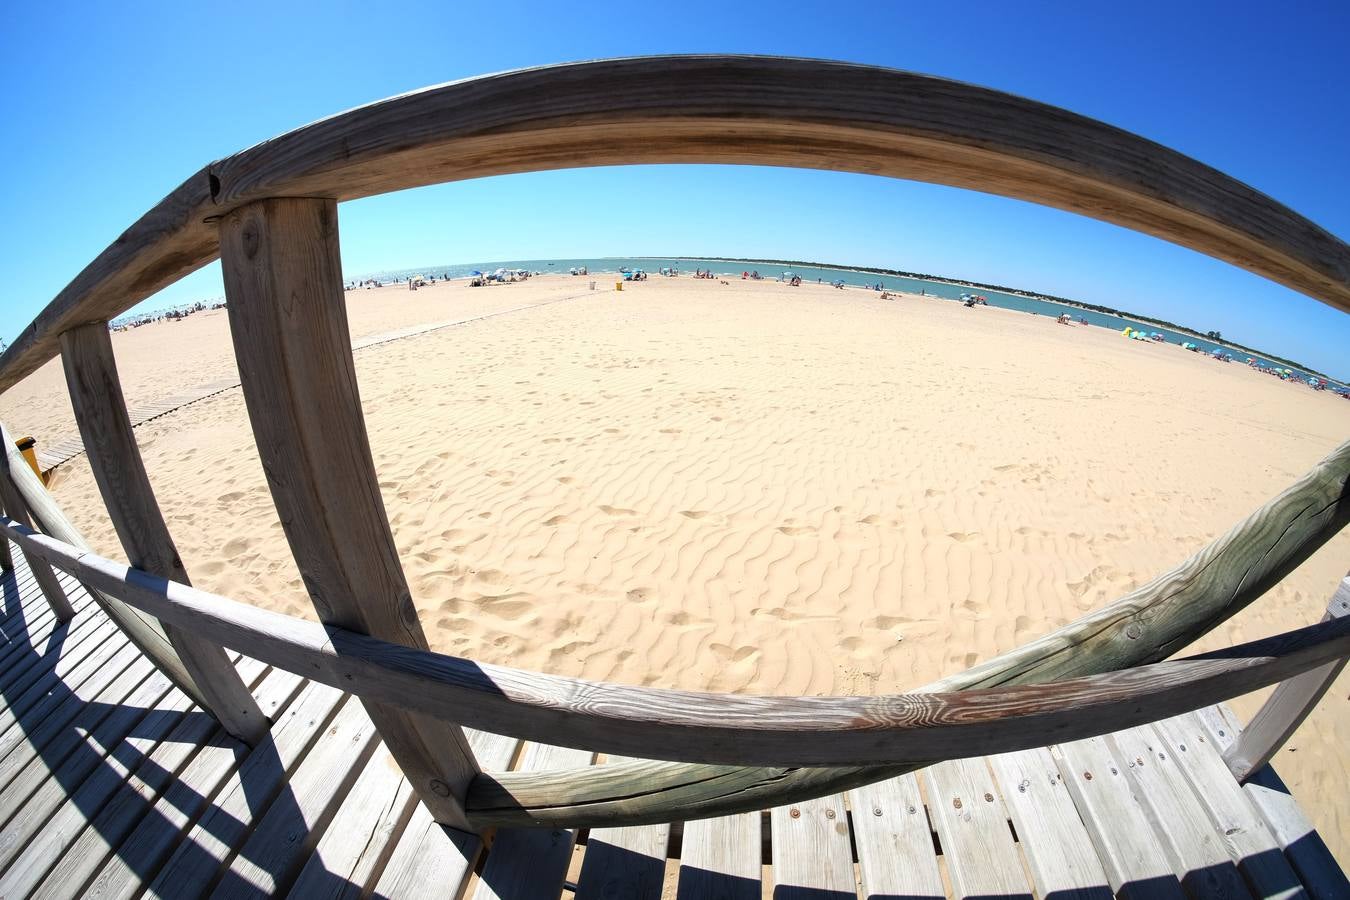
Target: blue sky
{"type": "Point", "coordinates": [108, 107]}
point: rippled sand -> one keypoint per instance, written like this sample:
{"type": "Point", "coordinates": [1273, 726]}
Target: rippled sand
{"type": "Point", "coordinates": [751, 487]}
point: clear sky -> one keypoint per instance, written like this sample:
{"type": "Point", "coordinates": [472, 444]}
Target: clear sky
{"type": "Point", "coordinates": [107, 107]}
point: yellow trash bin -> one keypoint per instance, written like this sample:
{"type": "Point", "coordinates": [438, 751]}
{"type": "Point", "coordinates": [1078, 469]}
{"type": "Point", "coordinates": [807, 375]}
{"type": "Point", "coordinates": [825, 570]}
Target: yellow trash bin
{"type": "Point", "coordinates": [618, 285]}
{"type": "Point", "coordinates": [27, 446]}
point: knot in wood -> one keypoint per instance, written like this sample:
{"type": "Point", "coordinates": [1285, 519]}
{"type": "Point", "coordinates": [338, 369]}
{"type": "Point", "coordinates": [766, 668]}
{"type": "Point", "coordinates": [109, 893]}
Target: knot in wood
{"type": "Point", "coordinates": [440, 788]}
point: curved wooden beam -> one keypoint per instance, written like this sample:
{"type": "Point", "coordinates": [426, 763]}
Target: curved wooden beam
{"type": "Point", "coordinates": [729, 729]}
{"type": "Point", "coordinates": [1142, 628]}
{"type": "Point", "coordinates": [708, 109]}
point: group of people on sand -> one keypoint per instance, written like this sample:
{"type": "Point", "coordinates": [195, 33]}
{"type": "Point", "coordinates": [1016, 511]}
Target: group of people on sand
{"type": "Point", "coordinates": [704, 273]}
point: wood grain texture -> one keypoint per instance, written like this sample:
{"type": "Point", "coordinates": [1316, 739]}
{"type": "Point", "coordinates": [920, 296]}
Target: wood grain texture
{"type": "Point", "coordinates": [143, 630]}
{"type": "Point", "coordinates": [101, 412]}
{"type": "Point", "coordinates": [1198, 852]}
{"type": "Point", "coordinates": [1239, 824]}
{"type": "Point", "coordinates": [896, 856]}
{"type": "Point", "coordinates": [1137, 859]}
{"type": "Point", "coordinates": [709, 109]}
{"type": "Point", "coordinates": [42, 572]}
{"type": "Point", "coordinates": [720, 859]}
{"type": "Point", "coordinates": [1057, 847]}
{"type": "Point", "coordinates": [724, 729]}
{"type": "Point", "coordinates": [811, 852]}
{"type": "Point", "coordinates": [288, 320]}
{"type": "Point", "coordinates": [1279, 717]}
{"type": "Point", "coordinates": [972, 824]}
{"type": "Point", "coordinates": [1317, 867]}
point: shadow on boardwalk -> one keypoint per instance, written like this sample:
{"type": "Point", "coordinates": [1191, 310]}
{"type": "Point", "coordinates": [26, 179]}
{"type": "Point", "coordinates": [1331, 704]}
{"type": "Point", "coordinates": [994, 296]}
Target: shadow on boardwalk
{"type": "Point", "coordinates": [87, 746]}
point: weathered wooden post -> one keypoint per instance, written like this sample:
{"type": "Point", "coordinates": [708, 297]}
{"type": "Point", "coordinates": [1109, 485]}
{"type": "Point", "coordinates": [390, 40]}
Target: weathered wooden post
{"type": "Point", "coordinates": [18, 511]}
{"type": "Point", "coordinates": [144, 631]}
{"type": "Point", "coordinates": [105, 427]}
{"type": "Point", "coordinates": [288, 319]}
{"type": "Point", "coordinates": [1277, 720]}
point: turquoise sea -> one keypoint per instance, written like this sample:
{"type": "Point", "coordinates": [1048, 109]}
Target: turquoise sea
{"type": "Point", "coordinates": [734, 268]}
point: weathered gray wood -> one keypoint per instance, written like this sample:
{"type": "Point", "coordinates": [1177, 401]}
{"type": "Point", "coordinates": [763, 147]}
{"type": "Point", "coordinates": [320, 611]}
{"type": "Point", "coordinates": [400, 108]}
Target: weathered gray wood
{"type": "Point", "coordinates": [973, 826]}
{"type": "Point", "coordinates": [1277, 720]}
{"type": "Point", "coordinates": [361, 836]}
{"type": "Point", "coordinates": [288, 319]}
{"type": "Point", "coordinates": [223, 829]}
{"type": "Point", "coordinates": [530, 863]}
{"type": "Point", "coordinates": [151, 820]}
{"type": "Point", "coordinates": [1243, 829]}
{"type": "Point", "coordinates": [720, 858]}
{"type": "Point", "coordinates": [627, 862]}
{"type": "Point", "coordinates": [1058, 850]}
{"type": "Point", "coordinates": [141, 629]}
{"type": "Point", "coordinates": [13, 503]}
{"type": "Point", "coordinates": [1314, 862]}
{"type": "Point", "coordinates": [708, 109]}
{"type": "Point", "coordinates": [1132, 853]}
{"type": "Point", "coordinates": [89, 825]}
{"type": "Point", "coordinates": [895, 847]}
{"type": "Point", "coordinates": [101, 412]}
{"type": "Point", "coordinates": [29, 763]}
{"type": "Point", "coordinates": [6, 560]}
{"type": "Point", "coordinates": [810, 849]}
{"type": "Point", "coordinates": [33, 827]}
{"type": "Point", "coordinates": [920, 726]}
{"type": "Point", "coordinates": [430, 861]}
{"type": "Point", "coordinates": [280, 839]}
{"type": "Point", "coordinates": [1198, 853]}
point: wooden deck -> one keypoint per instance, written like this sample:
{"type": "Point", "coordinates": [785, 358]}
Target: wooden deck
{"type": "Point", "coordinates": [113, 785]}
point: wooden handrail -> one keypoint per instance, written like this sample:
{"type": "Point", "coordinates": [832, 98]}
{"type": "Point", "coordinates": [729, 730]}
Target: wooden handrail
{"type": "Point", "coordinates": [1141, 628]}
{"type": "Point", "coordinates": [1279, 717]}
{"type": "Point", "coordinates": [728, 729]}
{"type": "Point", "coordinates": [708, 109]}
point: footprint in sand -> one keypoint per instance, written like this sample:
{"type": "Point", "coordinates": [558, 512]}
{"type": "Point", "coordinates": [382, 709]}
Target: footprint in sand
{"type": "Point", "coordinates": [733, 654]}
{"type": "Point", "coordinates": [565, 479]}
{"type": "Point", "coordinates": [555, 520]}
{"type": "Point", "coordinates": [670, 431]}
{"type": "Point", "coordinates": [617, 511]}
{"type": "Point", "coordinates": [693, 513]}
{"type": "Point", "coordinates": [962, 536]}
{"type": "Point", "coordinates": [795, 530]}
{"type": "Point", "coordinates": [638, 595]}
{"type": "Point", "coordinates": [869, 520]}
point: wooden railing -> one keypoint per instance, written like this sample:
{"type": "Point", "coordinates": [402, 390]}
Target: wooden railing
{"type": "Point", "coordinates": [270, 215]}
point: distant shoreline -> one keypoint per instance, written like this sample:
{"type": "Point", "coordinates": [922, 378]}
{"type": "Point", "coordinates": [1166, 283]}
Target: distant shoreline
{"type": "Point", "coordinates": [1033, 295]}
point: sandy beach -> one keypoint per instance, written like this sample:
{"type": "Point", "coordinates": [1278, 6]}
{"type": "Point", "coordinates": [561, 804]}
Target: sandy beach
{"type": "Point", "coordinates": [750, 487]}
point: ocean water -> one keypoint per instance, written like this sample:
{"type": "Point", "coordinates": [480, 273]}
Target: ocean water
{"type": "Point", "coordinates": [732, 268]}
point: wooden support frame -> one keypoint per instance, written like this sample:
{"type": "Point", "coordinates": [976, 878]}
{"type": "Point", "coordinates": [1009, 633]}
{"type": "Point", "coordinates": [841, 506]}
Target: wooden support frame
{"type": "Point", "coordinates": [14, 506]}
{"type": "Point", "coordinates": [101, 411]}
{"type": "Point", "coordinates": [6, 559]}
{"type": "Point", "coordinates": [288, 319]}
{"type": "Point", "coordinates": [144, 631]}
{"type": "Point", "coordinates": [1277, 720]}
{"type": "Point", "coordinates": [754, 110]}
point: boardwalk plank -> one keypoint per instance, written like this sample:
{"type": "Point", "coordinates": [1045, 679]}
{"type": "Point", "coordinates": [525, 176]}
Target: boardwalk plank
{"type": "Point", "coordinates": [1058, 850]}
{"type": "Point", "coordinates": [1132, 854]}
{"type": "Point", "coordinates": [1249, 839]}
{"type": "Point", "coordinates": [430, 861]}
{"type": "Point", "coordinates": [721, 857]}
{"type": "Point", "coordinates": [280, 840]}
{"type": "Point", "coordinates": [142, 828]}
{"type": "Point", "coordinates": [91, 821]}
{"type": "Point", "coordinates": [810, 850]}
{"type": "Point", "coordinates": [624, 862]}
{"type": "Point", "coordinates": [972, 824]}
{"type": "Point", "coordinates": [249, 790]}
{"type": "Point", "coordinates": [1199, 853]}
{"type": "Point", "coordinates": [1314, 862]}
{"type": "Point", "coordinates": [895, 846]}
{"type": "Point", "coordinates": [359, 839]}
{"type": "Point", "coordinates": [50, 736]}
{"type": "Point", "coordinates": [529, 863]}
